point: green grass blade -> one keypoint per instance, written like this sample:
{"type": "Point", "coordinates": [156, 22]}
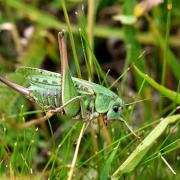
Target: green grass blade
{"type": "Point", "coordinates": [166, 44]}
{"type": "Point", "coordinates": [35, 14]}
{"type": "Point", "coordinates": [174, 96]}
{"type": "Point", "coordinates": [136, 156]}
{"type": "Point", "coordinates": [105, 172]}
{"type": "Point", "coordinates": [71, 39]}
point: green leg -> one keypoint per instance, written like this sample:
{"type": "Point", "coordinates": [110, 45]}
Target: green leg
{"type": "Point", "coordinates": [69, 91]}
{"type": "Point", "coordinates": [83, 109]}
{"type": "Point", "coordinates": [58, 110]}
{"type": "Point", "coordinates": [86, 102]}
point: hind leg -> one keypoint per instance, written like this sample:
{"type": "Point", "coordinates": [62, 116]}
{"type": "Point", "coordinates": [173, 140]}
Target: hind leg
{"type": "Point", "coordinates": [48, 115]}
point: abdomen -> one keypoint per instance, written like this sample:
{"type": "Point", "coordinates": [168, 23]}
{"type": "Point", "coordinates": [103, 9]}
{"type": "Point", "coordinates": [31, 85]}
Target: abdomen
{"type": "Point", "coordinates": [45, 96]}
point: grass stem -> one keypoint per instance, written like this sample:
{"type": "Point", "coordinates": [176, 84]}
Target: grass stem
{"type": "Point", "coordinates": [70, 175]}
{"type": "Point", "coordinates": [91, 4]}
{"type": "Point", "coordinates": [71, 39]}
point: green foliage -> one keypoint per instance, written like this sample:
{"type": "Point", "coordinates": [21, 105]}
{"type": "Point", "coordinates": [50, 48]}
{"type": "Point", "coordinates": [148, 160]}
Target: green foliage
{"type": "Point", "coordinates": [146, 38]}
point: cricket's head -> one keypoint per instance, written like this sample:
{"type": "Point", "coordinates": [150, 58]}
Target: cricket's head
{"type": "Point", "coordinates": [116, 109]}
{"type": "Point", "coordinates": [116, 112]}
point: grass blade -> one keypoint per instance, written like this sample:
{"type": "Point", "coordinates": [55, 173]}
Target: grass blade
{"type": "Point", "coordinates": [105, 172]}
{"type": "Point", "coordinates": [174, 96]}
{"type": "Point", "coordinates": [136, 156]}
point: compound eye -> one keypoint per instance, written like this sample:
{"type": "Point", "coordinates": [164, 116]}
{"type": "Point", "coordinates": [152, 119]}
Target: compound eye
{"type": "Point", "coordinates": [115, 109]}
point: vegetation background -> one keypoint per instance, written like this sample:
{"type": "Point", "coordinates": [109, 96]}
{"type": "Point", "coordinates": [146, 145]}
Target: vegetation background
{"type": "Point", "coordinates": [105, 39]}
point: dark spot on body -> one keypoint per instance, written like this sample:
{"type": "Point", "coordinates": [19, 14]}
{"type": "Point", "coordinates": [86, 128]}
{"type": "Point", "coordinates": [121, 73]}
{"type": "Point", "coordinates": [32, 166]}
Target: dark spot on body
{"type": "Point", "coordinates": [54, 82]}
{"type": "Point", "coordinates": [45, 81]}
